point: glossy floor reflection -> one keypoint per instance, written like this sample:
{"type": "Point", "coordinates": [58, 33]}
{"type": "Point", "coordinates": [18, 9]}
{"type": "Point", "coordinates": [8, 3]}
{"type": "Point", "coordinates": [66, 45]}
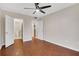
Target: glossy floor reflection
{"type": "Point", "coordinates": [40, 48]}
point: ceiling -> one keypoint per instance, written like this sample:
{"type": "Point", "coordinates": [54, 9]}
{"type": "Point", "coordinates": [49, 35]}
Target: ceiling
{"type": "Point", "coordinates": [19, 8]}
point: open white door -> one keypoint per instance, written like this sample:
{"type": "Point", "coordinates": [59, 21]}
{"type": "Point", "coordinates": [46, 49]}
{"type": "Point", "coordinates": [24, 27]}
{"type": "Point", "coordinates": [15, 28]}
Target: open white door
{"type": "Point", "coordinates": [39, 28]}
{"type": "Point", "coordinates": [9, 30]}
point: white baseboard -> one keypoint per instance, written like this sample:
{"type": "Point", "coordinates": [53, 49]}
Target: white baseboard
{"type": "Point", "coordinates": [64, 46]}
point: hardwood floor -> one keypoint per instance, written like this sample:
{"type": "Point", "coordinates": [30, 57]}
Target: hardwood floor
{"type": "Point", "coordinates": [16, 48]}
{"type": "Point", "coordinates": [0, 52]}
{"type": "Point", "coordinates": [40, 48]}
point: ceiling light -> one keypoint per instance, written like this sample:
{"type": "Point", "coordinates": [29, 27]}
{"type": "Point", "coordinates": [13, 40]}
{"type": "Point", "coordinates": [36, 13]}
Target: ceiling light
{"type": "Point", "coordinates": [37, 10]}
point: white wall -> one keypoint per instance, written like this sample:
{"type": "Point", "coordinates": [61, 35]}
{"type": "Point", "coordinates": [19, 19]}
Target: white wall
{"type": "Point", "coordinates": [27, 29]}
{"type": "Point", "coordinates": [2, 31]}
{"type": "Point", "coordinates": [62, 27]}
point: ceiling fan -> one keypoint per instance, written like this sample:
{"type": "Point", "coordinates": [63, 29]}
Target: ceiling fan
{"type": "Point", "coordinates": [39, 9]}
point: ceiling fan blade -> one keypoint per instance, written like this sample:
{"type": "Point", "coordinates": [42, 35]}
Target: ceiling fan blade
{"type": "Point", "coordinates": [42, 11]}
{"type": "Point", "coordinates": [45, 7]}
{"type": "Point", "coordinates": [34, 12]}
{"type": "Point", "coordinates": [29, 8]}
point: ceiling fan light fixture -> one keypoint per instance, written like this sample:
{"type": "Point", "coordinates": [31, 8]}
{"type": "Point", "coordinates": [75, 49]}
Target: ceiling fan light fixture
{"type": "Point", "coordinates": [37, 10]}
